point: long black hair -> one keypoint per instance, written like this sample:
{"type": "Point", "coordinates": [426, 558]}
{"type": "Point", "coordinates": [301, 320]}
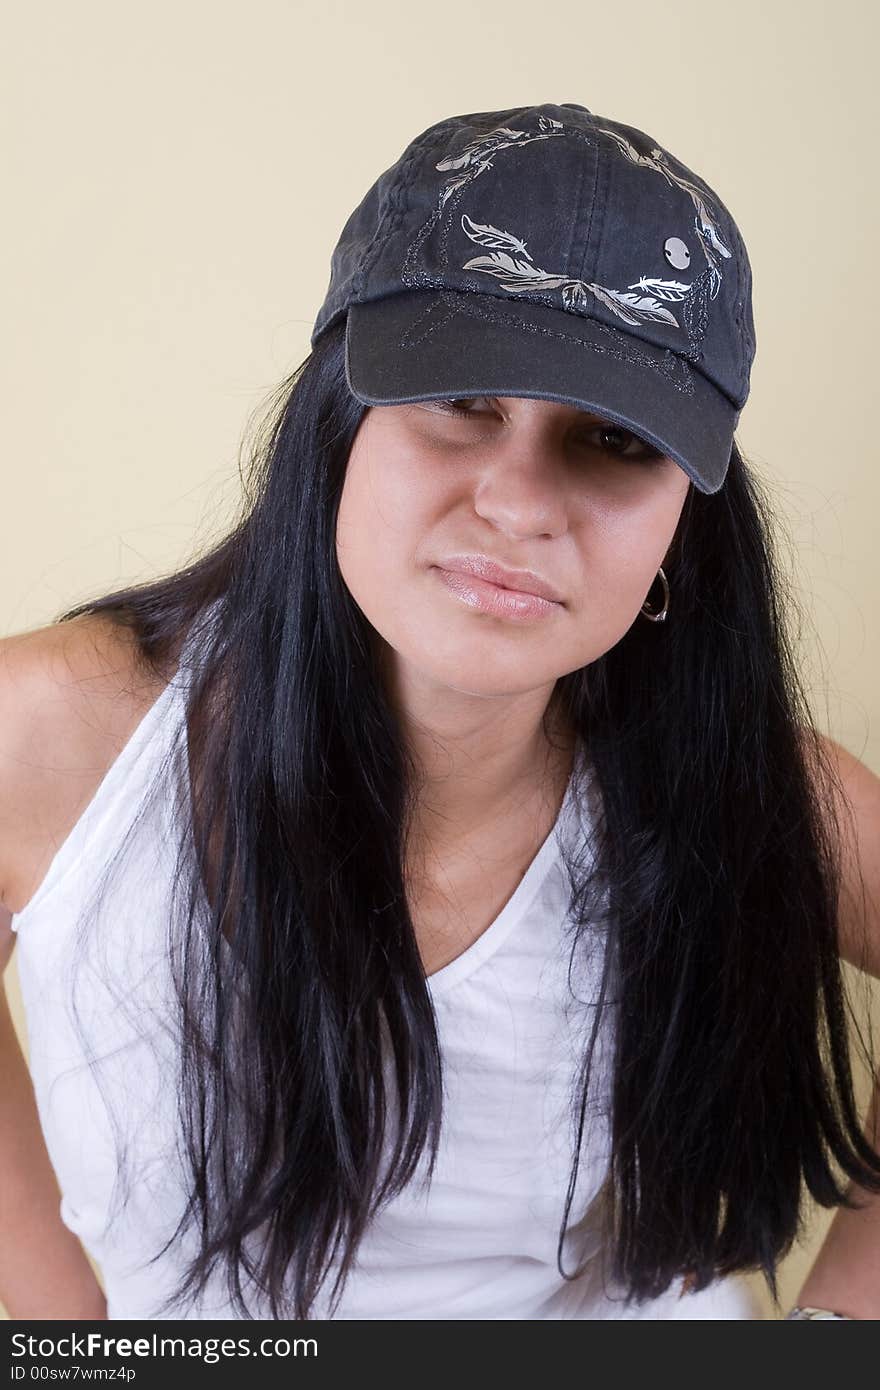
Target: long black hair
{"type": "Point", "coordinates": [716, 862]}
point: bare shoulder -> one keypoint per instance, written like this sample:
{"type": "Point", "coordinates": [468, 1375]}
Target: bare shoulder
{"type": "Point", "coordinates": [71, 695]}
{"type": "Point", "coordinates": [857, 807]}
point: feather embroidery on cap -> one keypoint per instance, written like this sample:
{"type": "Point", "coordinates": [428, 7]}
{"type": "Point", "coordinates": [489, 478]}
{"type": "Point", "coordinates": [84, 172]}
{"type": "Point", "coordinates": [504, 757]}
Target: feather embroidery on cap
{"type": "Point", "coordinates": [516, 275]}
{"type": "Point", "coordinates": [706, 229]}
{"type": "Point", "coordinates": [511, 264]}
{"type": "Point", "coordinates": [475, 158]}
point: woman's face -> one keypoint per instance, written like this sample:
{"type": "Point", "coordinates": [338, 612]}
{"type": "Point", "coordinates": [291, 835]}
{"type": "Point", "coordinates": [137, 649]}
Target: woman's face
{"type": "Point", "coordinates": [530, 483]}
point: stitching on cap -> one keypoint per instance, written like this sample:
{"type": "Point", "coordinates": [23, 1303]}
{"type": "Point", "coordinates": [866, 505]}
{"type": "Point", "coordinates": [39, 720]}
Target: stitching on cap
{"type": "Point", "coordinates": [745, 340]}
{"type": "Point", "coordinates": [696, 304]}
{"type": "Point", "coordinates": [594, 202]}
{"type": "Point", "coordinates": [737, 315]}
{"type": "Point", "coordinates": [407, 178]}
{"type": "Point", "coordinates": [391, 215]}
{"type": "Point", "coordinates": [437, 320]}
{"type": "Point", "coordinates": [383, 228]}
{"type": "Point", "coordinates": [669, 370]}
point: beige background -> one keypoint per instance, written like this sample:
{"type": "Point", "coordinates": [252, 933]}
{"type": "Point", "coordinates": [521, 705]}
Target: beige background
{"type": "Point", "coordinates": [177, 176]}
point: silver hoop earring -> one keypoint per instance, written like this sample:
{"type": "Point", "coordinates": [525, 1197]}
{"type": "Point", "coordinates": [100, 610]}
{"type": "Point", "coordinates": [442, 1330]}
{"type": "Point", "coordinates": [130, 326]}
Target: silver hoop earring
{"type": "Point", "coordinates": [661, 616]}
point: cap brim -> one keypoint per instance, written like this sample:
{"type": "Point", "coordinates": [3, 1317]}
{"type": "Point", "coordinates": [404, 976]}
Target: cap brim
{"type": "Point", "coordinates": [427, 344]}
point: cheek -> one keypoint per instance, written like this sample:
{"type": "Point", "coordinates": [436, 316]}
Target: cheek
{"type": "Point", "coordinates": [622, 558]}
{"type": "Point", "coordinates": [379, 523]}
{"type": "Point", "coordinates": [620, 592]}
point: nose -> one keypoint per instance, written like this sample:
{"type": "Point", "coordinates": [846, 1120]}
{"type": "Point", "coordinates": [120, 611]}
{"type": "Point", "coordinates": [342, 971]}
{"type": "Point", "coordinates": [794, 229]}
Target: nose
{"type": "Point", "coordinates": [520, 487]}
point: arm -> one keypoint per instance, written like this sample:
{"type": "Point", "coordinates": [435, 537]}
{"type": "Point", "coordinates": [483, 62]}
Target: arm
{"type": "Point", "coordinates": [845, 1275]}
{"type": "Point", "coordinates": [44, 1271]}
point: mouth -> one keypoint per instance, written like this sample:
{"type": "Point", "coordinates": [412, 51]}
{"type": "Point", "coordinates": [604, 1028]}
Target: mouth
{"type": "Point", "coordinates": [520, 582]}
{"type": "Point", "coordinates": [495, 600]}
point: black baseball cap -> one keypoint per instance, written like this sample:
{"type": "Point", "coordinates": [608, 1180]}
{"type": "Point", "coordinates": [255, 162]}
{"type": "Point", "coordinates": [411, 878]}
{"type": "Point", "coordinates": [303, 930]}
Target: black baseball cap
{"type": "Point", "coordinates": [549, 252]}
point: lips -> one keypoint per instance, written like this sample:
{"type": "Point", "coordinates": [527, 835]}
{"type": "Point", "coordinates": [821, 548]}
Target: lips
{"type": "Point", "coordinates": [482, 567]}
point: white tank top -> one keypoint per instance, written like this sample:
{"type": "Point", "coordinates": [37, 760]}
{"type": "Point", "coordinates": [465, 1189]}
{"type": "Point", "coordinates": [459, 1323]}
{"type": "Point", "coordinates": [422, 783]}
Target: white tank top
{"type": "Point", "coordinates": [481, 1240]}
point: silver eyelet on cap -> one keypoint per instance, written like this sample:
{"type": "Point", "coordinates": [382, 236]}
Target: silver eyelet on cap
{"type": "Point", "coordinates": [676, 253]}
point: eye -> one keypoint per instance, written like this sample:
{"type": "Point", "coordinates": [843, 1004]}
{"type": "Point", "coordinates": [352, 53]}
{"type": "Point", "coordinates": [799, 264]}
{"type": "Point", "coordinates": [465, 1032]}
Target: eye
{"type": "Point", "coordinates": [613, 439]}
{"type": "Point", "coordinates": [455, 406]}
{"type": "Point", "coordinates": [644, 452]}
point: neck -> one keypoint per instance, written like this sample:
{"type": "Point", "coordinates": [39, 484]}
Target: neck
{"type": "Point", "coordinates": [504, 792]}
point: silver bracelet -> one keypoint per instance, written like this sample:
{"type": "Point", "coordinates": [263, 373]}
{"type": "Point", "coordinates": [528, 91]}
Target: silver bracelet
{"type": "Point", "coordinates": [799, 1312]}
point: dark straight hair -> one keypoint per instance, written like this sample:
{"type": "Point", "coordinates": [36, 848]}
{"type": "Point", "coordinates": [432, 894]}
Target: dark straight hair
{"type": "Point", "coordinates": [714, 872]}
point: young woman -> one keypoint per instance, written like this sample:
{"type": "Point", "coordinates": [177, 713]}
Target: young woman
{"type": "Point", "coordinates": [416, 916]}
